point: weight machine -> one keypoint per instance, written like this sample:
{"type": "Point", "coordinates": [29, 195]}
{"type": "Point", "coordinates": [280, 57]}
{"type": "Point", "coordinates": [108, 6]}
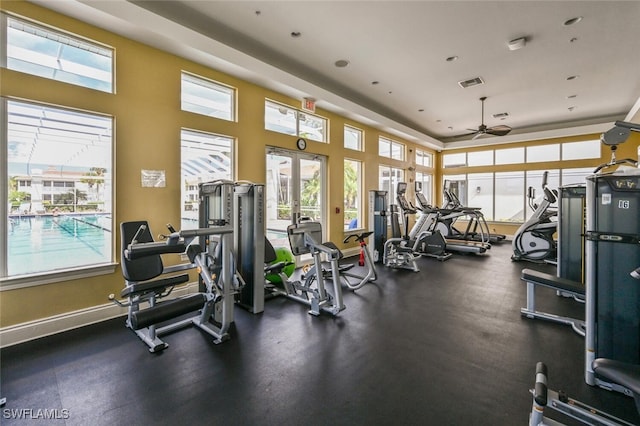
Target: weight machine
{"type": "Point", "coordinates": [148, 281]}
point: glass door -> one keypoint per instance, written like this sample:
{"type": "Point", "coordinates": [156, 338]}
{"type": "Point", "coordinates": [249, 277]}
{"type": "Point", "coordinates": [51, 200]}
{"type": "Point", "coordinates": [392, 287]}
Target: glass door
{"type": "Point", "coordinates": [295, 188]}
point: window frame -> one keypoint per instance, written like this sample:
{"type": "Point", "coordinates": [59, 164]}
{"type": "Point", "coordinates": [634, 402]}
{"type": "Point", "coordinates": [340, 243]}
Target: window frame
{"type": "Point", "coordinates": [424, 155]}
{"type": "Point", "coordinates": [393, 146]}
{"type": "Point", "coordinates": [360, 137]}
{"type": "Point", "coordinates": [56, 32]}
{"type": "Point", "coordinates": [209, 84]}
{"type": "Point", "coordinates": [297, 114]}
{"type": "Point", "coordinates": [359, 202]}
{"type": "Point", "coordinates": [17, 281]}
{"type": "Point", "coordinates": [189, 190]}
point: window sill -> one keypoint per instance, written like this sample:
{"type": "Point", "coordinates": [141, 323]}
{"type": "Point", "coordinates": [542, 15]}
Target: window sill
{"type": "Point", "coordinates": [51, 277]}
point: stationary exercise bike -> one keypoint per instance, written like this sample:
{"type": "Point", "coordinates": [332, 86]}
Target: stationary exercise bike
{"type": "Point", "coordinates": [344, 269]}
{"type": "Point", "coordinates": [534, 241]}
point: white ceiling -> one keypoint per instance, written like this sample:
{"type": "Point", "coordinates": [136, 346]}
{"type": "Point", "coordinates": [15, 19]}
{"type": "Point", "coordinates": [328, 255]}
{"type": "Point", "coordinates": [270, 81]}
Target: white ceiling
{"type": "Point", "coordinates": [403, 46]}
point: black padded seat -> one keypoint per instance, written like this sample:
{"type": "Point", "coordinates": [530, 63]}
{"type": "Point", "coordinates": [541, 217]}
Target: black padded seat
{"type": "Point", "coordinates": [622, 373]}
{"type": "Point", "coordinates": [140, 271]}
{"type": "Point", "coordinates": [154, 286]}
{"type": "Point", "coordinates": [553, 281]}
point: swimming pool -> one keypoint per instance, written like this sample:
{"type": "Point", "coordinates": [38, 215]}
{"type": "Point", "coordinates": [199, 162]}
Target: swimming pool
{"type": "Point", "coordinates": [45, 243]}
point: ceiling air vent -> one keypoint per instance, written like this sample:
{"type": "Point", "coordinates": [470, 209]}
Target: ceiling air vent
{"type": "Point", "coordinates": [501, 115]}
{"type": "Point", "coordinates": [471, 82]}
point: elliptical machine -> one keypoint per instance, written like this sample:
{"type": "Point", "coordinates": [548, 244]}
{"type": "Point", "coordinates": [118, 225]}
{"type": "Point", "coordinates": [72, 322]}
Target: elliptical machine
{"type": "Point", "coordinates": [534, 241]}
{"type": "Point", "coordinates": [420, 239]}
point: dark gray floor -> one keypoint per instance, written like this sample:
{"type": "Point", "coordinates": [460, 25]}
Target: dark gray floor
{"type": "Point", "coordinates": [445, 346]}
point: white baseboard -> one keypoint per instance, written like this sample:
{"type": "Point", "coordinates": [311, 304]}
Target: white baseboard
{"type": "Point", "coordinates": [32, 330]}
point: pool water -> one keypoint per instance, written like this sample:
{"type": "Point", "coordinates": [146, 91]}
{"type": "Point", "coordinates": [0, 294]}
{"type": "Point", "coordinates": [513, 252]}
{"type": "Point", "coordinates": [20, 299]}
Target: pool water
{"type": "Point", "coordinates": [45, 243]}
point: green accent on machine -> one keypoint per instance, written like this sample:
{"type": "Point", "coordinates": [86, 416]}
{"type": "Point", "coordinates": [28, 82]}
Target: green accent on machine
{"type": "Point", "coordinates": [283, 254]}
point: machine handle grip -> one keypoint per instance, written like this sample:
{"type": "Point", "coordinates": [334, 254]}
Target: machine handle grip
{"type": "Point", "coordinates": [540, 389]}
{"type": "Point", "coordinates": [545, 176]}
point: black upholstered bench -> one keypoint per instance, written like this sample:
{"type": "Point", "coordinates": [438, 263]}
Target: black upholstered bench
{"type": "Point", "coordinates": [567, 287]}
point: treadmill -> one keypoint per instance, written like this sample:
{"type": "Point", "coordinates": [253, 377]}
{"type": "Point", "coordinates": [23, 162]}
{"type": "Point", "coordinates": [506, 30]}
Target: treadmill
{"type": "Point", "coordinates": [459, 246]}
{"type": "Point", "coordinates": [477, 228]}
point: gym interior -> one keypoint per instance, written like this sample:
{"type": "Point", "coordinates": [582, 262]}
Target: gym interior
{"type": "Point", "coordinates": [198, 287]}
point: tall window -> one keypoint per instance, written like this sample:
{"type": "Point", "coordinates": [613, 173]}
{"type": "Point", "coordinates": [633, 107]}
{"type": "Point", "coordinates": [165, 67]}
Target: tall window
{"type": "Point", "coordinates": [283, 119]}
{"type": "Point", "coordinates": [480, 193]}
{"type": "Point", "coordinates": [45, 52]}
{"type": "Point", "coordinates": [534, 180]}
{"type": "Point", "coordinates": [577, 175]}
{"type": "Point", "coordinates": [509, 197]}
{"type": "Point", "coordinates": [427, 187]}
{"type": "Point", "coordinates": [59, 177]}
{"type": "Point", "coordinates": [204, 157]}
{"type": "Point", "coordinates": [352, 194]}
{"type": "Point", "coordinates": [207, 97]}
{"type": "Point", "coordinates": [390, 149]}
{"type": "Point", "coordinates": [388, 179]}
{"type": "Point", "coordinates": [353, 138]}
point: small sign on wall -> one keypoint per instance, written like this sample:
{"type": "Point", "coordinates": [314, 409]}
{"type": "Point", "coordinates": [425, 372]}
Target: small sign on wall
{"type": "Point", "coordinates": [153, 178]}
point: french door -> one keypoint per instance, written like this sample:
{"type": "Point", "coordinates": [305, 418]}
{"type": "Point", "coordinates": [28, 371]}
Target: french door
{"type": "Point", "coordinates": [295, 188]}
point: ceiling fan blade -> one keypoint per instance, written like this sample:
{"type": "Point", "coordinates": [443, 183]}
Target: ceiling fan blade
{"type": "Point", "coordinates": [480, 134]}
{"type": "Point", "coordinates": [499, 130]}
{"type": "Point", "coordinates": [473, 132]}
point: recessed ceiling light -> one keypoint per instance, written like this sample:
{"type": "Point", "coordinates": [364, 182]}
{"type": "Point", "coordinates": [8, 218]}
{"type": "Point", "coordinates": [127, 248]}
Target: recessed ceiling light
{"type": "Point", "coordinates": [571, 108]}
{"type": "Point", "coordinates": [421, 110]}
{"type": "Point", "coordinates": [258, 13]}
{"type": "Point", "coordinates": [438, 121]}
{"type": "Point", "coordinates": [341, 63]}
{"type": "Point", "coordinates": [375, 82]}
{"type": "Point", "coordinates": [450, 128]}
{"type": "Point", "coordinates": [573, 39]}
{"type": "Point", "coordinates": [572, 96]}
{"type": "Point", "coordinates": [295, 34]}
{"type": "Point", "coordinates": [572, 77]}
{"type": "Point", "coordinates": [452, 58]}
{"type": "Point", "coordinates": [572, 21]}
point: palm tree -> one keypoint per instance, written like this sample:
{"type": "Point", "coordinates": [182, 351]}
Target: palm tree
{"type": "Point", "coordinates": [310, 196]}
{"type": "Point", "coordinates": [95, 177]}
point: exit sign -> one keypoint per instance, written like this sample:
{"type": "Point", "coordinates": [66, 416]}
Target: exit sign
{"type": "Point", "coordinates": [309, 104]}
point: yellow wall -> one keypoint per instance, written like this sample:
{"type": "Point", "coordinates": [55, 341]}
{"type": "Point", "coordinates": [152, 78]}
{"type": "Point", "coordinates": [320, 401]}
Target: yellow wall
{"type": "Point", "coordinates": [148, 120]}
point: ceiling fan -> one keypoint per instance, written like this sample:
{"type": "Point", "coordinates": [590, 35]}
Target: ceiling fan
{"type": "Point", "coordinates": [482, 130]}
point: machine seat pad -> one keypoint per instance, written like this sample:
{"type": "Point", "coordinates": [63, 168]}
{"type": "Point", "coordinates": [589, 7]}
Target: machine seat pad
{"type": "Point", "coordinates": [167, 310]}
{"type": "Point", "coordinates": [155, 285]}
{"type": "Point", "coordinates": [549, 280]}
{"type": "Point", "coordinates": [622, 373]}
